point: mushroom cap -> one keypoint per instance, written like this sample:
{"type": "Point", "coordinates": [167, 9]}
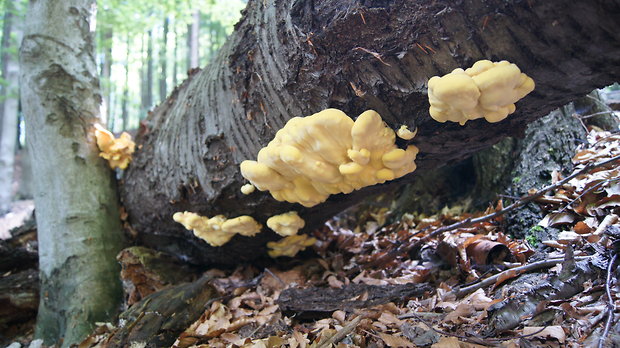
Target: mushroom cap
{"type": "Point", "coordinates": [286, 224]}
{"type": "Point", "coordinates": [487, 89]}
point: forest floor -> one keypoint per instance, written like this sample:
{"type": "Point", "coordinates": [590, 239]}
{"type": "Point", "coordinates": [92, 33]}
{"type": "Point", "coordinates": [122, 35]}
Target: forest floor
{"type": "Point", "coordinates": [453, 279]}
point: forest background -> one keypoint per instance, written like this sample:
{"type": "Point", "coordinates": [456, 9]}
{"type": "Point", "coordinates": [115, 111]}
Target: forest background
{"type": "Point", "coordinates": [143, 50]}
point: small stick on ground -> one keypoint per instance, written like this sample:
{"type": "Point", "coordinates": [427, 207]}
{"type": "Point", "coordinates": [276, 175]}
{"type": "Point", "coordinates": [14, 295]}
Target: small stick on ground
{"type": "Point", "coordinates": [610, 303]}
{"type": "Point", "coordinates": [341, 334]}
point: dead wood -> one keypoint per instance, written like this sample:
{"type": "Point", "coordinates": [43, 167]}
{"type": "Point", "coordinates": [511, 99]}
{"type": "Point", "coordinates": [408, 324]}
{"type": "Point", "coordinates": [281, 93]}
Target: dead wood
{"type": "Point", "coordinates": [511, 312]}
{"type": "Point", "coordinates": [145, 271]}
{"type": "Point", "coordinates": [347, 298]}
{"type": "Point", "coordinates": [158, 319]}
{"type": "Point", "coordinates": [19, 300]}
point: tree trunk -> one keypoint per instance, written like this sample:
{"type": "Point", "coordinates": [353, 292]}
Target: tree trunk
{"type": "Point", "coordinates": [106, 73]}
{"type": "Point", "coordinates": [295, 58]}
{"type": "Point", "coordinates": [193, 57]}
{"type": "Point", "coordinates": [147, 83]}
{"type": "Point", "coordinates": [124, 111]}
{"type": "Point", "coordinates": [163, 59]}
{"type": "Point", "coordinates": [175, 61]}
{"type": "Point", "coordinates": [76, 203]}
{"type": "Point", "coordinates": [9, 104]}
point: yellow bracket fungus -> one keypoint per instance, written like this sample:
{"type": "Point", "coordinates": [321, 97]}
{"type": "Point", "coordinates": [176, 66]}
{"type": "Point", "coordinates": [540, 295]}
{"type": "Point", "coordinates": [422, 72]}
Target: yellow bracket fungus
{"type": "Point", "coordinates": [286, 224]}
{"type": "Point", "coordinates": [217, 230]}
{"type": "Point", "coordinates": [247, 189]}
{"type": "Point", "coordinates": [327, 153]}
{"type": "Point", "coordinates": [290, 245]}
{"type": "Point", "coordinates": [404, 133]}
{"type": "Point", "coordinates": [116, 150]}
{"type": "Point", "coordinates": [487, 89]}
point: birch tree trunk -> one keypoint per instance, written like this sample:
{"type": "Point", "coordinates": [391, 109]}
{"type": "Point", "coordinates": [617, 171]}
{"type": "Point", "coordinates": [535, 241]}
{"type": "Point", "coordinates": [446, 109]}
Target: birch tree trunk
{"type": "Point", "coordinates": [294, 58]}
{"type": "Point", "coordinates": [76, 203]}
{"type": "Point", "coordinates": [9, 104]}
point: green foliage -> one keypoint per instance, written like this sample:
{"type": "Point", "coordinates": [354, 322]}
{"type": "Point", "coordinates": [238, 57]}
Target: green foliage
{"type": "Point", "coordinates": [532, 235]}
{"type": "Point", "coordinates": [122, 27]}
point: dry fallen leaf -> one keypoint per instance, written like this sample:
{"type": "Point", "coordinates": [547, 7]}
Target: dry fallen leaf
{"type": "Point", "coordinates": [555, 332]}
{"type": "Point", "coordinates": [463, 310]}
{"type": "Point", "coordinates": [395, 341]}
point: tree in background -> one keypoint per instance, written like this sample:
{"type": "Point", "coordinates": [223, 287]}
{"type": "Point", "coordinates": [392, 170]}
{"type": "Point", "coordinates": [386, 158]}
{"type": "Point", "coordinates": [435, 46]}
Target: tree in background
{"type": "Point", "coordinates": [77, 213]}
{"type": "Point", "coordinates": [9, 102]}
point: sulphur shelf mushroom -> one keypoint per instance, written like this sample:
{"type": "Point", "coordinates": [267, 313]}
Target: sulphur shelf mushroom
{"type": "Point", "coordinates": [217, 230]}
{"type": "Point", "coordinates": [327, 153]}
{"type": "Point", "coordinates": [487, 89]}
{"type": "Point", "coordinates": [117, 151]}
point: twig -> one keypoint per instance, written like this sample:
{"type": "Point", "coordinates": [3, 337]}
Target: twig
{"type": "Point", "coordinates": [275, 276]}
{"type": "Point", "coordinates": [341, 334]}
{"type": "Point", "coordinates": [595, 114]}
{"type": "Point", "coordinates": [519, 270]}
{"type": "Point", "coordinates": [610, 303]}
{"type": "Point", "coordinates": [419, 314]}
{"type": "Point", "coordinates": [519, 203]}
{"type": "Point", "coordinates": [590, 189]}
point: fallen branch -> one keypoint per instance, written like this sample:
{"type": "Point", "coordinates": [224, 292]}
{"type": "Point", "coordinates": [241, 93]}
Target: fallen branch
{"type": "Point", "coordinates": [519, 270]}
{"type": "Point", "coordinates": [341, 334]}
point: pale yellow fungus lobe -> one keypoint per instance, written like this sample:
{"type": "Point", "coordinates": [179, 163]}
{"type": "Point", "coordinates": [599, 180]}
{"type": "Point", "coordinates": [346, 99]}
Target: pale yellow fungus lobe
{"type": "Point", "coordinates": [327, 153]}
{"type": "Point", "coordinates": [286, 224]}
{"type": "Point", "coordinates": [290, 246]}
{"type": "Point", "coordinates": [487, 89]}
{"type": "Point", "coordinates": [217, 230]}
{"type": "Point", "coordinates": [247, 189]}
{"type": "Point", "coordinates": [404, 133]}
{"type": "Point", "coordinates": [116, 150]}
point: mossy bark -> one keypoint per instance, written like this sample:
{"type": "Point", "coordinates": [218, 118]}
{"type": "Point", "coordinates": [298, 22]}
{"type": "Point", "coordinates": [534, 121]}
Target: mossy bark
{"type": "Point", "coordinates": [294, 58]}
{"type": "Point", "coordinates": [76, 202]}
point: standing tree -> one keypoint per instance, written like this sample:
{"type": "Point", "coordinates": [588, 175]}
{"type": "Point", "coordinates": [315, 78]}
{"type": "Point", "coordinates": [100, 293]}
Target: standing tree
{"type": "Point", "coordinates": [9, 102]}
{"type": "Point", "coordinates": [294, 58]}
{"type": "Point", "coordinates": [76, 202]}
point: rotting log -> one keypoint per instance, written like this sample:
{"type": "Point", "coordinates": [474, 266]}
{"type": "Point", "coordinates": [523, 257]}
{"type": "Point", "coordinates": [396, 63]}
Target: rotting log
{"type": "Point", "coordinates": [294, 58]}
{"type": "Point", "coordinates": [159, 318]}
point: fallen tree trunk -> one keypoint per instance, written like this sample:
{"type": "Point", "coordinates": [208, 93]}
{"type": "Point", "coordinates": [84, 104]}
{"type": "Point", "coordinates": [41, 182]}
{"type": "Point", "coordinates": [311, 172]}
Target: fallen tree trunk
{"type": "Point", "coordinates": [295, 58]}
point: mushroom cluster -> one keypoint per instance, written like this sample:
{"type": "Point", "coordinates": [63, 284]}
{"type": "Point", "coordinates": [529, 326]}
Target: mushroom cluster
{"type": "Point", "coordinates": [217, 230]}
{"type": "Point", "coordinates": [117, 151]}
{"type": "Point", "coordinates": [286, 224]}
{"type": "Point", "coordinates": [487, 89]}
{"type": "Point", "coordinates": [290, 245]}
{"type": "Point", "coordinates": [327, 153]}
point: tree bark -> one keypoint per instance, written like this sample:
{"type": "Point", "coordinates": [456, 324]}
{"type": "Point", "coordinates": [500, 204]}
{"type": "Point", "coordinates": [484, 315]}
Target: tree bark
{"type": "Point", "coordinates": [295, 58]}
{"type": "Point", "coordinates": [11, 34]}
{"type": "Point", "coordinates": [76, 202]}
